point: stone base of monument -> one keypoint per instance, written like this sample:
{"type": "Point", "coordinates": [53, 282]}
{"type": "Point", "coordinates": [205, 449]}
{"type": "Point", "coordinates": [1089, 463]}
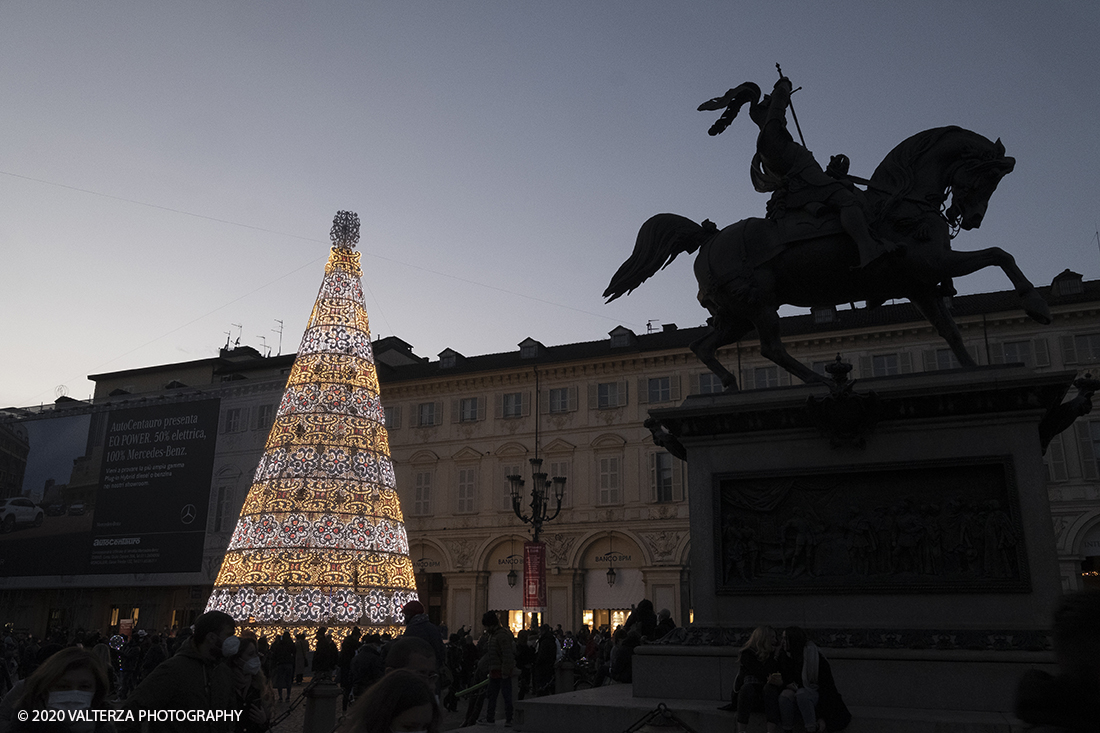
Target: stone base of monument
{"type": "Point", "coordinates": [615, 708]}
{"type": "Point", "coordinates": [904, 523]}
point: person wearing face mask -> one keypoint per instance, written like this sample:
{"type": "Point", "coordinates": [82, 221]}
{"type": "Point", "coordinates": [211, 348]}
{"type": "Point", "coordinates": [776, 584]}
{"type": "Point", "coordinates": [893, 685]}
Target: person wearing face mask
{"type": "Point", "coordinates": [400, 702]}
{"type": "Point", "coordinates": [254, 694]}
{"type": "Point", "coordinates": [196, 678]}
{"type": "Point", "coordinates": [71, 679]}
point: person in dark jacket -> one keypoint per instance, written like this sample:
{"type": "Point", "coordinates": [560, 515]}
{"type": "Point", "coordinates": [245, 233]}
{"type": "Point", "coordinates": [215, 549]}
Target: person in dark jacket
{"type": "Point", "coordinates": [1068, 701]}
{"type": "Point", "coordinates": [348, 647]}
{"type": "Point", "coordinates": [282, 664]}
{"type": "Point", "coordinates": [194, 679]}
{"type": "Point", "coordinates": [665, 623]}
{"type": "Point", "coordinates": [366, 665]}
{"type": "Point", "coordinates": [546, 655]}
{"type": "Point", "coordinates": [417, 624]}
{"type": "Point", "coordinates": [805, 684]}
{"type": "Point", "coordinates": [325, 655]}
{"type": "Point", "coordinates": [644, 618]}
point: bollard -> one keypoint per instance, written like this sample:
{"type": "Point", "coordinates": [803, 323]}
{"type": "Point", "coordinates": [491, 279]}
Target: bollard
{"type": "Point", "coordinates": [322, 700]}
{"type": "Point", "coordinates": [563, 677]}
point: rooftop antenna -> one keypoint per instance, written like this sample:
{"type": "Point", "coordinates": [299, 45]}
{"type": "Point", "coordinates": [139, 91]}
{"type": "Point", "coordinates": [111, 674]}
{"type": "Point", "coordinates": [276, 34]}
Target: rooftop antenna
{"type": "Point", "coordinates": [240, 329]}
{"type": "Point", "coordinates": [279, 331]}
{"type": "Point", "coordinates": [264, 346]}
{"type": "Point", "coordinates": [649, 325]}
{"type": "Point", "coordinates": [228, 335]}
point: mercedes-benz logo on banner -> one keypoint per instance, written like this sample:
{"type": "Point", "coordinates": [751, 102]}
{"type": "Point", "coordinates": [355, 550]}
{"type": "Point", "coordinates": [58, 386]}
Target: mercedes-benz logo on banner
{"type": "Point", "coordinates": [187, 514]}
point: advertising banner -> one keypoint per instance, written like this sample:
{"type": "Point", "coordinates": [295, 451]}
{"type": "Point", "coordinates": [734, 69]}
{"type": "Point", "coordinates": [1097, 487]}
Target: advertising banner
{"type": "Point", "coordinates": [534, 576]}
{"type": "Point", "coordinates": [119, 491]}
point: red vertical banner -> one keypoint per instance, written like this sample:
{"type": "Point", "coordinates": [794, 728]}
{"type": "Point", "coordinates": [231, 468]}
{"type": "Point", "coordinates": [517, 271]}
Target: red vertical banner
{"type": "Point", "coordinates": [534, 576]}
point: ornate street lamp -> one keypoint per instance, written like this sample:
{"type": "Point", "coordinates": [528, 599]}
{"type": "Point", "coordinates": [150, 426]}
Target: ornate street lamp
{"type": "Point", "coordinates": [542, 490]}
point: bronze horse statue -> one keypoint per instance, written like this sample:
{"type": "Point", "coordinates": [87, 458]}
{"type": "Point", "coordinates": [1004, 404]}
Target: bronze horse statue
{"type": "Point", "coordinates": [750, 268]}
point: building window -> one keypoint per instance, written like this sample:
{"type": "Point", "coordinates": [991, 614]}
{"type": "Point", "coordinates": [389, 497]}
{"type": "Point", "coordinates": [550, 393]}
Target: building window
{"type": "Point", "coordinates": [426, 414]}
{"type": "Point", "coordinates": [663, 476]}
{"type": "Point", "coordinates": [467, 410]}
{"type": "Point", "coordinates": [422, 500]}
{"type": "Point", "coordinates": [609, 480]}
{"type": "Point", "coordinates": [607, 395]}
{"type": "Point", "coordinates": [764, 377]}
{"type": "Point", "coordinates": [945, 359]}
{"type": "Point", "coordinates": [709, 383]}
{"type": "Point", "coordinates": [559, 399]}
{"type": "Point", "coordinates": [265, 416]}
{"type": "Point", "coordinates": [233, 420]}
{"type": "Point", "coordinates": [883, 365]}
{"type": "Point", "coordinates": [392, 417]}
{"type": "Point", "coordinates": [221, 508]}
{"type": "Point", "coordinates": [513, 405]}
{"type": "Point", "coordinates": [660, 389]}
{"type": "Point", "coordinates": [1088, 444]}
{"type": "Point", "coordinates": [1087, 347]}
{"type": "Point", "coordinates": [467, 490]}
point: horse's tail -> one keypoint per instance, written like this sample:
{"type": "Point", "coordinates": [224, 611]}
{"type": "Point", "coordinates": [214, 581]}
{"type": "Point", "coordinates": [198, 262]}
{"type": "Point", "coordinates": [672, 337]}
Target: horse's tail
{"type": "Point", "coordinates": [660, 240]}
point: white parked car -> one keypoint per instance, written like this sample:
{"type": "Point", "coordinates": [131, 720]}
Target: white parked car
{"type": "Point", "coordinates": [19, 510]}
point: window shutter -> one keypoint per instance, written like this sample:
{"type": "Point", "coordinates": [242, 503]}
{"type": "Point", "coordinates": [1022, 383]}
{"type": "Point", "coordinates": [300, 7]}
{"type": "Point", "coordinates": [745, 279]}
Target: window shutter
{"type": "Point", "coordinates": [525, 403]}
{"type": "Point", "coordinates": [223, 422]}
{"type": "Point", "coordinates": [254, 423]}
{"type": "Point", "coordinates": [651, 459]}
{"type": "Point", "coordinates": [456, 411]}
{"type": "Point", "coordinates": [997, 354]}
{"type": "Point", "coordinates": [544, 401]}
{"type": "Point", "coordinates": [1069, 350]}
{"type": "Point", "coordinates": [695, 387]}
{"type": "Point", "coordinates": [499, 405]}
{"type": "Point", "coordinates": [866, 367]}
{"type": "Point", "coordinates": [975, 353]}
{"type": "Point", "coordinates": [928, 356]}
{"type": "Point", "coordinates": [1084, 445]}
{"type": "Point", "coordinates": [593, 397]}
{"type": "Point", "coordinates": [905, 362]}
{"type": "Point", "coordinates": [438, 413]}
{"type": "Point", "coordinates": [1040, 352]}
{"type": "Point", "coordinates": [748, 378]}
{"type": "Point", "coordinates": [622, 393]}
{"type": "Point", "coordinates": [397, 416]}
{"type": "Point", "coordinates": [643, 391]}
{"type": "Point", "coordinates": [1056, 460]}
{"type": "Point", "coordinates": [574, 398]}
{"type": "Point", "coordinates": [675, 379]}
{"type": "Point", "coordinates": [480, 408]}
{"type": "Point", "coordinates": [677, 479]}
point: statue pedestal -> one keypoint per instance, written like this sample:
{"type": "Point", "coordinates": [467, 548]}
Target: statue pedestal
{"type": "Point", "coordinates": [906, 528]}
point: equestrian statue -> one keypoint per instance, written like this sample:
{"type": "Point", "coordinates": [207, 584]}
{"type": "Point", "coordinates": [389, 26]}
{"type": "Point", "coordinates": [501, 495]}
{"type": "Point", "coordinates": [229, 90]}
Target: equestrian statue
{"type": "Point", "coordinates": [825, 241]}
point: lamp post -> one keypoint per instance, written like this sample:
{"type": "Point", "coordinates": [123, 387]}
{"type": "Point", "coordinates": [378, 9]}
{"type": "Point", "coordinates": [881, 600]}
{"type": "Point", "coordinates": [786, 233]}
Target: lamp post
{"type": "Point", "coordinates": [542, 490]}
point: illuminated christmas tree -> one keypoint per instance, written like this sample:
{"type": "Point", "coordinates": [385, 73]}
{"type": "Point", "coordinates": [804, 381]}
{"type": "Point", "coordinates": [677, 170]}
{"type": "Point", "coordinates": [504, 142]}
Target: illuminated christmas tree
{"type": "Point", "coordinates": [321, 539]}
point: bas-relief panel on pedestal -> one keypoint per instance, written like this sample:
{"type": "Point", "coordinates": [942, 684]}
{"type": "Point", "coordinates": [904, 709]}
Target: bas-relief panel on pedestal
{"type": "Point", "coordinates": [920, 527]}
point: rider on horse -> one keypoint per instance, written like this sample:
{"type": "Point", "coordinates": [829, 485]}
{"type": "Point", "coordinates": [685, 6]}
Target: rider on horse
{"type": "Point", "coordinates": [791, 172]}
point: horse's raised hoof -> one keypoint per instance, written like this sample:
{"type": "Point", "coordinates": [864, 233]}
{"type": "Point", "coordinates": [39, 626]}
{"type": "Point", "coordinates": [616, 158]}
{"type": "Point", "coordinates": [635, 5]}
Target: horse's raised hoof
{"type": "Point", "coordinates": [1035, 307]}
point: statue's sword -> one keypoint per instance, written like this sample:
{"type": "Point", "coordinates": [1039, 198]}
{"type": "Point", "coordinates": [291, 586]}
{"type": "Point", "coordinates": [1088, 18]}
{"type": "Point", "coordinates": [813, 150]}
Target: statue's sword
{"type": "Point", "coordinates": [794, 116]}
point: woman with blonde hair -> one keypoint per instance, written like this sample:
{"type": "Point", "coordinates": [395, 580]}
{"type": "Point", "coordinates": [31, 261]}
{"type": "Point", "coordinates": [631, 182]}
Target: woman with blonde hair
{"type": "Point", "coordinates": [71, 679]}
{"type": "Point", "coordinates": [756, 663]}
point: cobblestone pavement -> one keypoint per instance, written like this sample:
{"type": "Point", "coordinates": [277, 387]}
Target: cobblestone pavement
{"type": "Point", "coordinates": [295, 722]}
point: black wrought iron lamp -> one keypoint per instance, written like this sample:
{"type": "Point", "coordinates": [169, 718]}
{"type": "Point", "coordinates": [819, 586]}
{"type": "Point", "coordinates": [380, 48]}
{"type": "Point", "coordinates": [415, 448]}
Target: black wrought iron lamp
{"type": "Point", "coordinates": [542, 491]}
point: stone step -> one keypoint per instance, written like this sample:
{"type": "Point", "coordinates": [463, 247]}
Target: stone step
{"type": "Point", "coordinates": [614, 708]}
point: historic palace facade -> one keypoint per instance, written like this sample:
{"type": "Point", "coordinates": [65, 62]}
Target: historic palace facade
{"type": "Point", "coordinates": [460, 425]}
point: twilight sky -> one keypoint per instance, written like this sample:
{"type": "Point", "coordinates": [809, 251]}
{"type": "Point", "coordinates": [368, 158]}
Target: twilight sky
{"type": "Point", "coordinates": [170, 169]}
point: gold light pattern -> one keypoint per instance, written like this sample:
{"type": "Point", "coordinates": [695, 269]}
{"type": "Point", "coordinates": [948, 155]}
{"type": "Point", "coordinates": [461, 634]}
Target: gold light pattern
{"type": "Point", "coordinates": [321, 539]}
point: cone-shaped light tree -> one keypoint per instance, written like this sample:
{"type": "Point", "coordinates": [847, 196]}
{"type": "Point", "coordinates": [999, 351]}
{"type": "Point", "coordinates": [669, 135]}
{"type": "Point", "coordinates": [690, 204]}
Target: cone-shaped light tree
{"type": "Point", "coordinates": [321, 539]}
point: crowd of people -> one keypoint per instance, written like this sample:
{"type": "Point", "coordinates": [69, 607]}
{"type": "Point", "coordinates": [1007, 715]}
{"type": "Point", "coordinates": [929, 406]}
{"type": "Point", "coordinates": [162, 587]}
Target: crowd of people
{"type": "Point", "coordinates": [210, 666]}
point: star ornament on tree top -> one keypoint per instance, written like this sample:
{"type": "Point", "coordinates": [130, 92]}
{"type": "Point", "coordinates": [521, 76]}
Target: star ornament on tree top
{"type": "Point", "coordinates": [345, 230]}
